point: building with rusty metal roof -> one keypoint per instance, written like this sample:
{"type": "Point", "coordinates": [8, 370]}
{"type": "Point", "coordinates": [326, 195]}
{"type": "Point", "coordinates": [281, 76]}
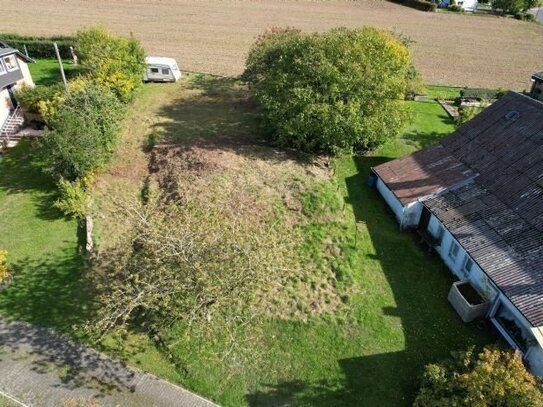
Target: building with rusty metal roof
{"type": "Point", "coordinates": [477, 198]}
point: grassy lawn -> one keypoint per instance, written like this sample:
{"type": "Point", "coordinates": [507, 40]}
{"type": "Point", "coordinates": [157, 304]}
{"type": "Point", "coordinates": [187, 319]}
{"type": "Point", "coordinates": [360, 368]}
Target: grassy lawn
{"type": "Point", "coordinates": [398, 317]}
{"type": "Point", "coordinates": [6, 402]}
{"type": "Point", "coordinates": [370, 354]}
{"type": "Point", "coordinates": [42, 245]}
{"type": "Point", "coordinates": [47, 71]}
{"type": "Point", "coordinates": [442, 92]}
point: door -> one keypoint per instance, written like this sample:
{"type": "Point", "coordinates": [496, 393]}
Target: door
{"type": "Point", "coordinates": [12, 97]}
{"type": "Point", "coordinates": [424, 218]}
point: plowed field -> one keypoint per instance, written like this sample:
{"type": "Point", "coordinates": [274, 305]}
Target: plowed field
{"type": "Point", "coordinates": [214, 36]}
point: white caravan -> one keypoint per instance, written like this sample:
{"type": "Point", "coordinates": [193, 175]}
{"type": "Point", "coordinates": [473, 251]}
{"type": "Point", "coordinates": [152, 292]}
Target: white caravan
{"type": "Point", "coordinates": [161, 69]}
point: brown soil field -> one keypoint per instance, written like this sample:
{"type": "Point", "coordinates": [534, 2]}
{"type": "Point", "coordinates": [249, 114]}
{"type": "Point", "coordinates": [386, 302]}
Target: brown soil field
{"type": "Point", "coordinates": [214, 36]}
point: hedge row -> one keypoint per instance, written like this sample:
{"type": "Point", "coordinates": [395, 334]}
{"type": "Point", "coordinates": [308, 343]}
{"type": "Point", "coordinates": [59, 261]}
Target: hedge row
{"type": "Point", "coordinates": [418, 4]}
{"type": "Point", "coordinates": [480, 94]}
{"type": "Point", "coordinates": [40, 47]}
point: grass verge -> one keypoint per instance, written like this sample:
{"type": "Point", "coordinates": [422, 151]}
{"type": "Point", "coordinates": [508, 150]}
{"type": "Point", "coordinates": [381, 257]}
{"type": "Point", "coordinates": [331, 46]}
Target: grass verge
{"type": "Point", "coordinates": [47, 71]}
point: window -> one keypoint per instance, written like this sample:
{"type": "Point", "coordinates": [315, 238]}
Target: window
{"type": "Point", "coordinates": [2, 69]}
{"type": "Point", "coordinates": [453, 251]}
{"type": "Point", "coordinates": [11, 63]}
{"type": "Point", "coordinates": [518, 333]}
{"type": "Point", "coordinates": [440, 231]}
{"type": "Point", "coordinates": [165, 71]}
{"type": "Point", "coordinates": [154, 70]}
{"type": "Point", "coordinates": [468, 265]}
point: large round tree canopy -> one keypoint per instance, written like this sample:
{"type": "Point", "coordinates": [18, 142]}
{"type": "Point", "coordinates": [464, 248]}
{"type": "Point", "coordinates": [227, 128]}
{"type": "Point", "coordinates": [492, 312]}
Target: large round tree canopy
{"type": "Point", "coordinates": [329, 92]}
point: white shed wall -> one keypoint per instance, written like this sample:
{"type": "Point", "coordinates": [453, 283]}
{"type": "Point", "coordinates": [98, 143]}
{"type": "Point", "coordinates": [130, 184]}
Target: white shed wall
{"type": "Point", "coordinates": [27, 78]}
{"type": "Point", "coordinates": [476, 276]}
{"type": "Point", "coordinates": [391, 200]}
{"type": "Point", "coordinates": [5, 106]}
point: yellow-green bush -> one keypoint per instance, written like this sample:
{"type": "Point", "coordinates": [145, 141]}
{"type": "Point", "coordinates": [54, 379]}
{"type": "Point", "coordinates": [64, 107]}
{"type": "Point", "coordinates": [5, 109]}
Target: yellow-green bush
{"type": "Point", "coordinates": [4, 273]}
{"type": "Point", "coordinates": [115, 62]}
{"type": "Point", "coordinates": [490, 378]}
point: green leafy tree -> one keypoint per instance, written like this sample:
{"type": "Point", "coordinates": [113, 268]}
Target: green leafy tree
{"type": "Point", "coordinates": [333, 91]}
{"type": "Point", "coordinates": [515, 6]}
{"type": "Point", "coordinates": [84, 132]}
{"type": "Point", "coordinates": [115, 62]}
{"type": "Point", "coordinates": [492, 378]}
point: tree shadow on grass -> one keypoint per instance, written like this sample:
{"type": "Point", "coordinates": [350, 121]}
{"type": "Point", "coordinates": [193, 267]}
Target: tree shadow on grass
{"type": "Point", "coordinates": [21, 171]}
{"type": "Point", "coordinates": [48, 291]}
{"type": "Point", "coordinates": [217, 113]}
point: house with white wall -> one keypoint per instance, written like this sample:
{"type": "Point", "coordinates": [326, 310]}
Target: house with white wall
{"type": "Point", "coordinates": [467, 5]}
{"type": "Point", "coordinates": [14, 73]}
{"type": "Point", "coordinates": [477, 198]}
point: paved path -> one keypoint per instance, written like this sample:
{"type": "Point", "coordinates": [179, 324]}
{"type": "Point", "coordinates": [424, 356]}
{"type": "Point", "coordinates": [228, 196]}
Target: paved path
{"type": "Point", "coordinates": [42, 368]}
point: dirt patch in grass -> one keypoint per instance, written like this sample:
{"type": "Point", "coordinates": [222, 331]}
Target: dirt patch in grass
{"type": "Point", "coordinates": [204, 150]}
{"type": "Point", "coordinates": [206, 36]}
{"type": "Point", "coordinates": [260, 188]}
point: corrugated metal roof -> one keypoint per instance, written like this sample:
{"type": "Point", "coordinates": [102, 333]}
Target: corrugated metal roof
{"type": "Point", "coordinates": [497, 215]}
{"type": "Point", "coordinates": [505, 245]}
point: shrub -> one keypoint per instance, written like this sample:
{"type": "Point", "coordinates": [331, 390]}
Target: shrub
{"type": "Point", "coordinates": [73, 199]}
{"type": "Point", "coordinates": [115, 62]}
{"type": "Point", "coordinates": [490, 378]}
{"type": "Point", "coordinates": [4, 273]}
{"type": "Point", "coordinates": [40, 47]}
{"type": "Point", "coordinates": [466, 113]}
{"type": "Point", "coordinates": [84, 132]}
{"type": "Point", "coordinates": [40, 99]}
{"type": "Point", "coordinates": [415, 84]}
{"type": "Point", "coordinates": [524, 16]}
{"type": "Point", "coordinates": [455, 8]}
{"type": "Point", "coordinates": [515, 7]}
{"type": "Point", "coordinates": [482, 94]}
{"type": "Point", "coordinates": [332, 91]}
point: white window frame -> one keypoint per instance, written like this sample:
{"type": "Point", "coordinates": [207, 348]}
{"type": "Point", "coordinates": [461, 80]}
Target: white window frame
{"type": "Point", "coordinates": [465, 270]}
{"type": "Point", "coordinates": [454, 247]}
{"type": "Point", "coordinates": [12, 57]}
{"type": "Point", "coordinates": [2, 68]}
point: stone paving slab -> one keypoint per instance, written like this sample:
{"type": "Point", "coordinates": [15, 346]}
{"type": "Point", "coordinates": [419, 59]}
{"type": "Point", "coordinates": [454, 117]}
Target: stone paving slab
{"type": "Point", "coordinates": [42, 368]}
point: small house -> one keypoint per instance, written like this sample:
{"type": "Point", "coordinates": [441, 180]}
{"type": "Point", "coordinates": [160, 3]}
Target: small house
{"type": "Point", "coordinates": [477, 198]}
{"type": "Point", "coordinates": [14, 73]}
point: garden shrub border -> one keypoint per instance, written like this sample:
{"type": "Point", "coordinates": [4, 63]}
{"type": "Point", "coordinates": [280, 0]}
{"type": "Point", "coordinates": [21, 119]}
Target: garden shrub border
{"type": "Point", "coordinates": [40, 47]}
